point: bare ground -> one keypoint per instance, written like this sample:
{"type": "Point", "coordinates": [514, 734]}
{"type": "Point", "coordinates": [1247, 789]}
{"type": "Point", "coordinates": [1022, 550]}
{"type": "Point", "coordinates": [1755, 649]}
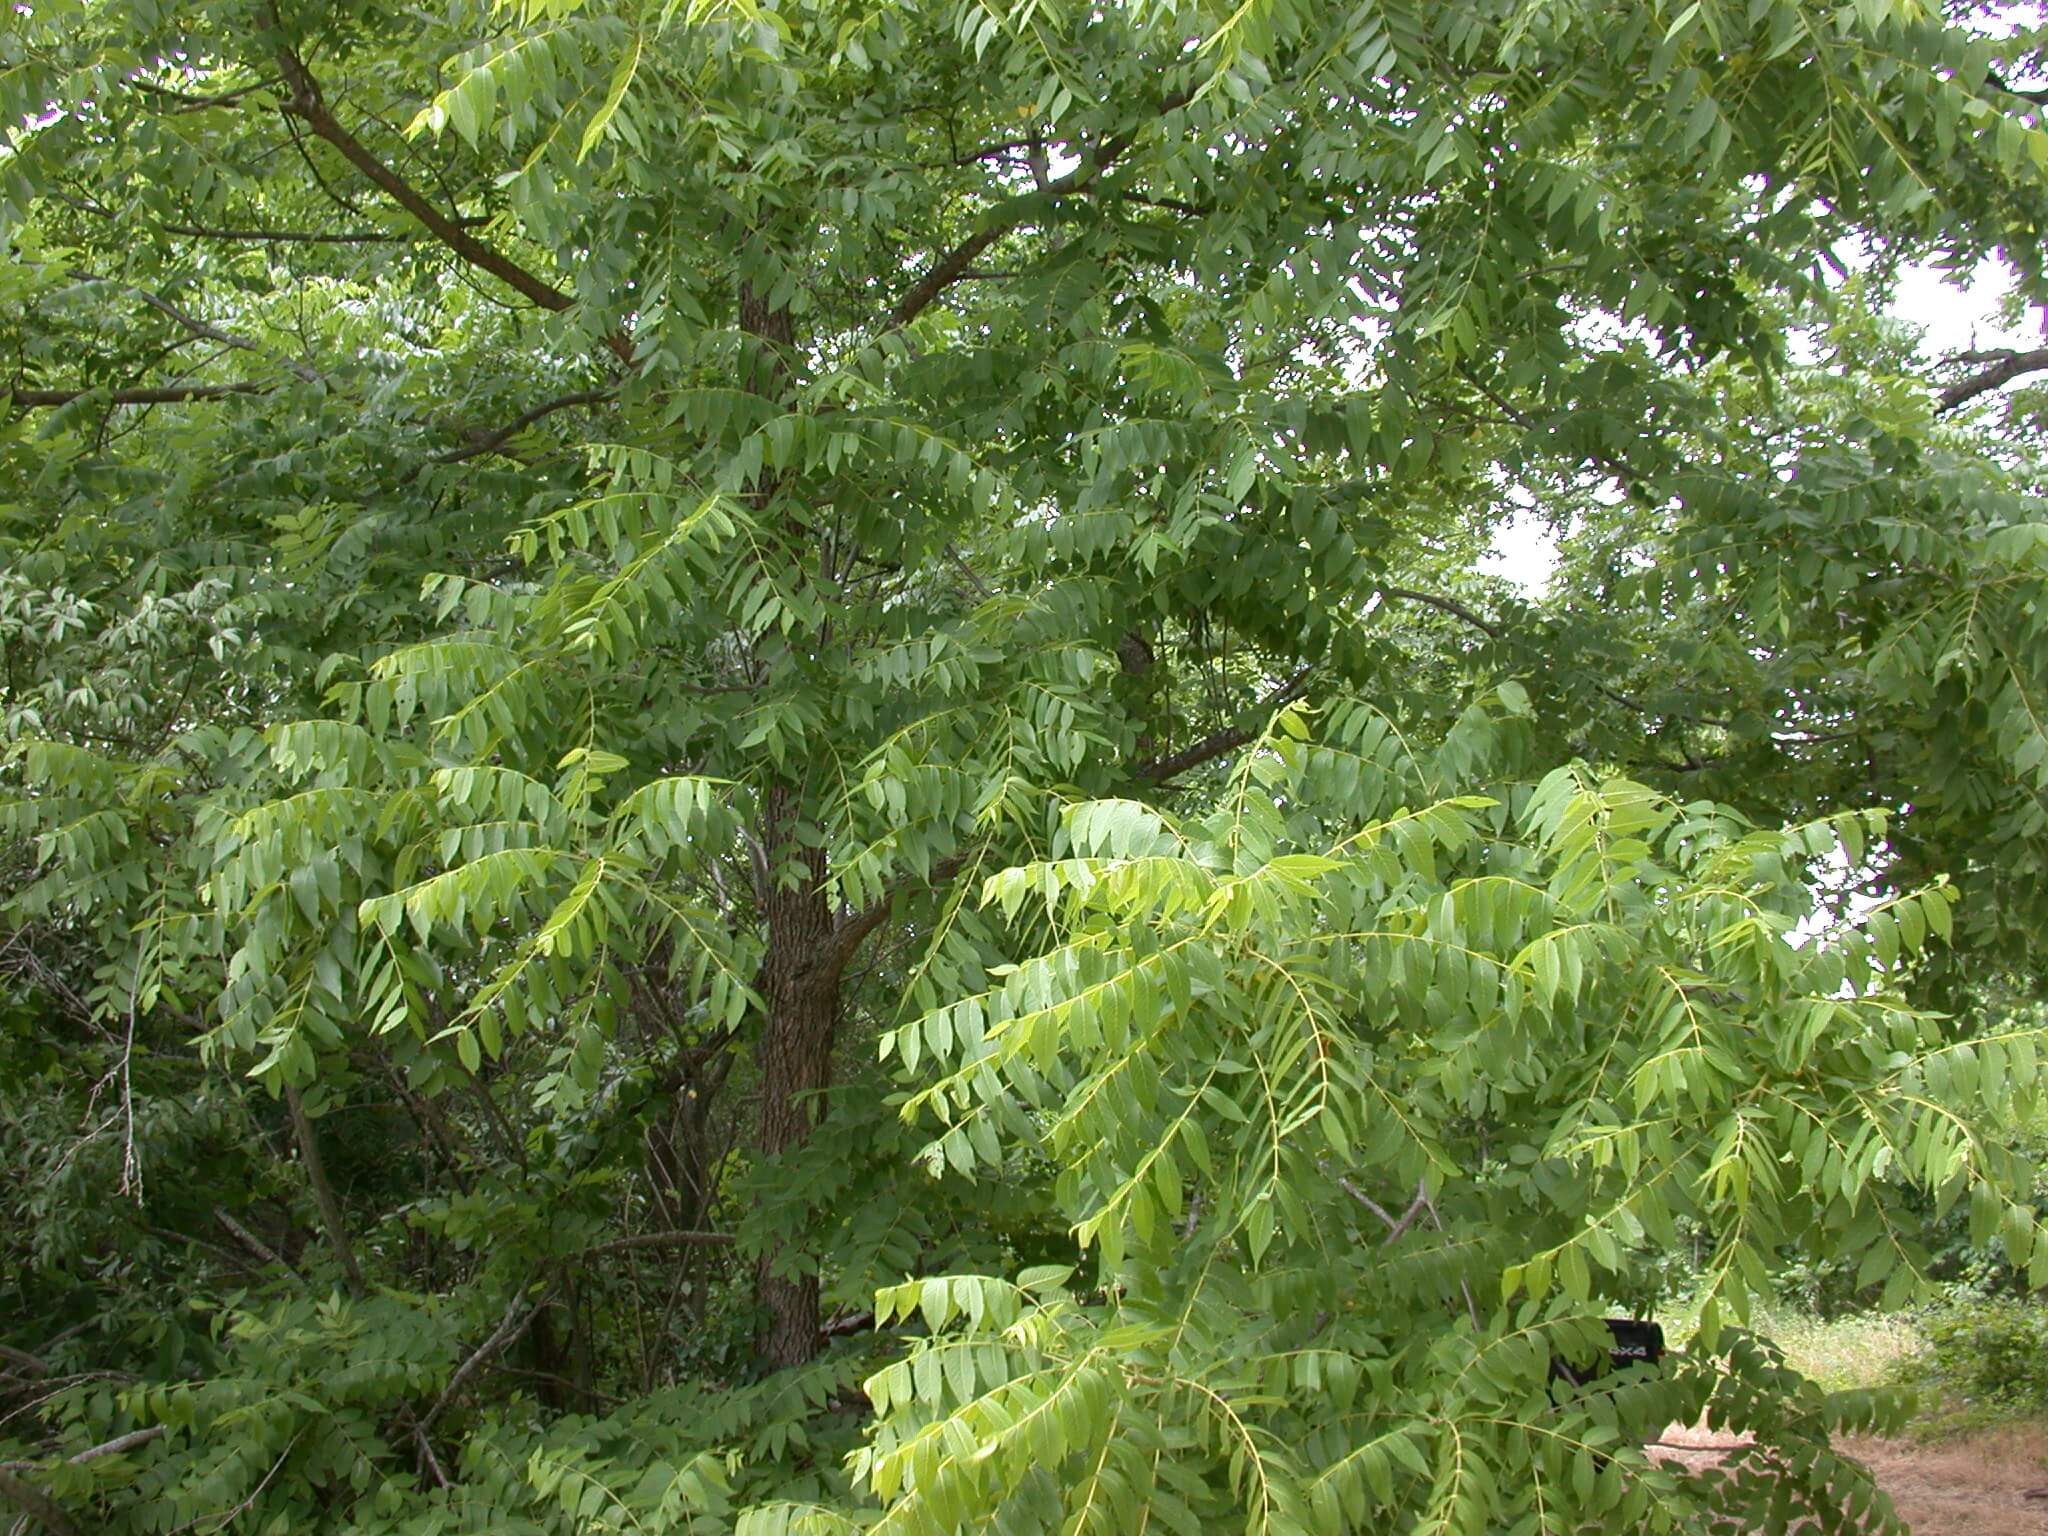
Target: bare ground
{"type": "Point", "coordinates": [1976, 1486]}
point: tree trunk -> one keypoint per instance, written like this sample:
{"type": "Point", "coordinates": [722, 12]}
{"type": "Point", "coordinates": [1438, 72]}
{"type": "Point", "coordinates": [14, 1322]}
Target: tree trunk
{"type": "Point", "coordinates": [800, 983]}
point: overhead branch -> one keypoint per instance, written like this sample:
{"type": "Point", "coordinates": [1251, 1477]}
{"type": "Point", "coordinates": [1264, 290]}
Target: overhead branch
{"type": "Point", "coordinates": [174, 394]}
{"type": "Point", "coordinates": [2005, 365]}
{"type": "Point", "coordinates": [309, 106]}
{"type": "Point", "coordinates": [1493, 631]}
{"type": "Point", "coordinates": [959, 261]}
{"type": "Point", "coordinates": [1160, 769]}
{"type": "Point", "coordinates": [488, 442]}
{"type": "Point", "coordinates": [1997, 82]}
{"type": "Point", "coordinates": [1450, 605]}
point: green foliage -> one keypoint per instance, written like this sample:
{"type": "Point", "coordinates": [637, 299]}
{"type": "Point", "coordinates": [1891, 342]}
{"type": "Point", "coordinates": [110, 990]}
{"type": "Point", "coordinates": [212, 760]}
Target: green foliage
{"type": "Point", "coordinates": [751, 777]}
{"type": "Point", "coordinates": [1985, 1362]}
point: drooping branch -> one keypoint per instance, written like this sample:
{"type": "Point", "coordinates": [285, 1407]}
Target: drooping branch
{"type": "Point", "coordinates": [2005, 365]}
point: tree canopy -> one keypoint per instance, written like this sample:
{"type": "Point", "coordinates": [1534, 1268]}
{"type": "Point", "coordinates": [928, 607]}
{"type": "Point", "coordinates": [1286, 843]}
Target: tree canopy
{"type": "Point", "coordinates": [757, 774]}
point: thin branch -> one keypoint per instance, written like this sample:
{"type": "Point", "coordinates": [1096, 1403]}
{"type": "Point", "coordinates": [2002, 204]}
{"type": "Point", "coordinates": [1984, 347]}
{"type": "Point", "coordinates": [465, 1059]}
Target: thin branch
{"type": "Point", "coordinates": [250, 1241]}
{"type": "Point", "coordinates": [190, 103]}
{"type": "Point", "coordinates": [956, 263]}
{"type": "Point", "coordinates": [199, 327]}
{"type": "Point", "coordinates": [22, 1360]}
{"type": "Point", "coordinates": [1997, 82]}
{"type": "Point", "coordinates": [294, 236]}
{"type": "Point", "coordinates": [1448, 605]}
{"type": "Point", "coordinates": [118, 1444]}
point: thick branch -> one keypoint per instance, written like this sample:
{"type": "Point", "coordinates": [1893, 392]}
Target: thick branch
{"type": "Point", "coordinates": [1159, 769]}
{"type": "Point", "coordinates": [174, 394]}
{"type": "Point", "coordinates": [2005, 366]}
{"type": "Point", "coordinates": [310, 107]}
{"type": "Point", "coordinates": [851, 930]}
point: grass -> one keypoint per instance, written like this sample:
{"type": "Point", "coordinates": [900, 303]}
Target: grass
{"type": "Point", "coordinates": [1842, 1353]}
{"type": "Point", "coordinates": [1839, 1353]}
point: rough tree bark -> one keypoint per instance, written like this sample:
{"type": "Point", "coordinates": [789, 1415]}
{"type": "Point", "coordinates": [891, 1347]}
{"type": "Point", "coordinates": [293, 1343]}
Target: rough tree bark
{"type": "Point", "coordinates": [801, 970]}
{"type": "Point", "coordinates": [800, 983]}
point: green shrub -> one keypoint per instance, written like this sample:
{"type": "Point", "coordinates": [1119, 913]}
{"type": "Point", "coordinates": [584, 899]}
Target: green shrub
{"type": "Point", "coordinates": [1986, 1361]}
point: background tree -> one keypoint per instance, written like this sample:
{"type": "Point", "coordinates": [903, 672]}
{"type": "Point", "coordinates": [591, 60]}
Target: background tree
{"type": "Point", "coordinates": [574, 570]}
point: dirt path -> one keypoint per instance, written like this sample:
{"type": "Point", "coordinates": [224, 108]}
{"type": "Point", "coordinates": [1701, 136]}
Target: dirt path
{"type": "Point", "coordinates": [1973, 1487]}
